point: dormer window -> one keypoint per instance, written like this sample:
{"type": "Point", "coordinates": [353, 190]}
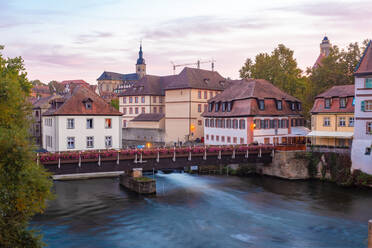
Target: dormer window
{"type": "Point", "coordinates": [210, 107]}
{"type": "Point", "coordinates": [292, 105]}
{"type": "Point", "coordinates": [88, 103]}
{"type": "Point", "coordinates": [217, 106]}
{"type": "Point", "coordinates": [229, 106]}
{"type": "Point", "coordinates": [206, 80]}
{"type": "Point", "coordinates": [327, 103]}
{"type": "Point", "coordinates": [279, 105]}
{"type": "Point", "coordinates": [299, 106]}
{"type": "Point", "coordinates": [342, 102]}
{"type": "Point", "coordinates": [223, 107]}
{"type": "Point", "coordinates": [261, 104]}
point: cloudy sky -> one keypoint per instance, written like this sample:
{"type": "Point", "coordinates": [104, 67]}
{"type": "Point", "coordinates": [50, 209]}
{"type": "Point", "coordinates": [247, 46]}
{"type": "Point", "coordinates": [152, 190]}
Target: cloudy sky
{"type": "Point", "coordinates": [73, 39]}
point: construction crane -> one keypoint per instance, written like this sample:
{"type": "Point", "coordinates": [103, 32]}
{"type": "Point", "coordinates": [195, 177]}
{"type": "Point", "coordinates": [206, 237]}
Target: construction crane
{"type": "Point", "coordinates": [198, 62]}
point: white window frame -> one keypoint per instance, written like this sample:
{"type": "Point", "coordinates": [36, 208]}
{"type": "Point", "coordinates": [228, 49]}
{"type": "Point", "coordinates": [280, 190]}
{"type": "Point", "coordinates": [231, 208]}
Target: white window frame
{"type": "Point", "coordinates": [87, 123]}
{"type": "Point", "coordinates": [342, 121]}
{"type": "Point", "coordinates": [70, 123]}
{"type": "Point", "coordinates": [326, 121]}
{"type": "Point", "coordinates": [108, 138]}
{"type": "Point", "coordinates": [72, 140]}
{"type": "Point", "coordinates": [90, 142]}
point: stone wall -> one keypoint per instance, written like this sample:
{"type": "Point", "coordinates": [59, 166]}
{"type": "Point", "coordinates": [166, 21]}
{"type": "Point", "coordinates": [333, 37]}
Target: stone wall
{"type": "Point", "coordinates": [134, 136]}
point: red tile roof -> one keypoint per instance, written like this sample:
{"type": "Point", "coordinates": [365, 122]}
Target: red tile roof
{"type": "Point", "coordinates": [244, 94]}
{"type": "Point", "coordinates": [72, 104]}
{"type": "Point", "coordinates": [335, 93]}
{"type": "Point", "coordinates": [76, 81]}
{"type": "Point", "coordinates": [364, 67]}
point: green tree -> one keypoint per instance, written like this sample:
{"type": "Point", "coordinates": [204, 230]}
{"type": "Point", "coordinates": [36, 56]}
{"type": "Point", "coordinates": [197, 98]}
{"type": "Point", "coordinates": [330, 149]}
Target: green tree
{"type": "Point", "coordinates": [115, 103]}
{"type": "Point", "coordinates": [24, 185]}
{"type": "Point", "coordinates": [55, 86]}
{"type": "Point", "coordinates": [281, 69]}
{"type": "Point", "coordinates": [36, 82]}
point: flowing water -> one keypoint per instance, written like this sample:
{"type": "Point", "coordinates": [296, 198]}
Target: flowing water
{"type": "Point", "coordinates": [207, 211]}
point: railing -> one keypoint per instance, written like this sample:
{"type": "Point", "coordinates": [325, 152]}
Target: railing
{"type": "Point", "coordinates": [158, 153]}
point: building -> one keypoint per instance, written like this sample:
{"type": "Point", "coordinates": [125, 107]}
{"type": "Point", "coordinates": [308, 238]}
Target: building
{"type": "Point", "coordinates": [39, 91]}
{"type": "Point", "coordinates": [181, 98]}
{"type": "Point", "coordinates": [81, 120]}
{"type": "Point", "coordinates": [38, 108]}
{"type": "Point", "coordinates": [253, 111]}
{"type": "Point", "coordinates": [332, 117]}
{"type": "Point", "coordinates": [110, 82]}
{"type": "Point", "coordinates": [325, 48]}
{"type": "Point", "coordinates": [361, 154]}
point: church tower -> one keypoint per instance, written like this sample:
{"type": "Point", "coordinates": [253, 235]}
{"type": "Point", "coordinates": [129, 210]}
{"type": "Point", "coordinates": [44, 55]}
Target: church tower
{"type": "Point", "coordinates": [141, 65]}
{"type": "Point", "coordinates": [325, 46]}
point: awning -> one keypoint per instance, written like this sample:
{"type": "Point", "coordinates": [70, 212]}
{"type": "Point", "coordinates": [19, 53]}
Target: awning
{"type": "Point", "coordinates": [329, 134]}
{"type": "Point", "coordinates": [298, 131]}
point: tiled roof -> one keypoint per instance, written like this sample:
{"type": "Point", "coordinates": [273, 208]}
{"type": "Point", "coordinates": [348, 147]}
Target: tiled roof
{"type": "Point", "coordinates": [43, 102]}
{"type": "Point", "coordinates": [251, 88]}
{"type": "Point", "coordinates": [339, 91]}
{"type": "Point", "coordinates": [188, 78]}
{"type": "Point", "coordinates": [107, 75]}
{"type": "Point", "coordinates": [192, 78]}
{"type": "Point", "coordinates": [75, 81]}
{"type": "Point", "coordinates": [149, 117]}
{"type": "Point", "coordinates": [41, 89]}
{"type": "Point", "coordinates": [244, 95]}
{"type": "Point", "coordinates": [364, 67]}
{"type": "Point", "coordinates": [335, 93]}
{"type": "Point", "coordinates": [73, 104]}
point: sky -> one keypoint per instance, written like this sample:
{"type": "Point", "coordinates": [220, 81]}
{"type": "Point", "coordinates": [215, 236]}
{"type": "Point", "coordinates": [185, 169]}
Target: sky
{"type": "Point", "coordinates": [79, 39]}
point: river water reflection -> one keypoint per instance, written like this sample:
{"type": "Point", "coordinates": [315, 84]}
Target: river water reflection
{"type": "Point", "coordinates": [207, 211]}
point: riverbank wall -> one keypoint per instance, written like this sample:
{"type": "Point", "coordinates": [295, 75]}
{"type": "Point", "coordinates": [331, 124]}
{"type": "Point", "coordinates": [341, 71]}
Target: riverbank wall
{"type": "Point", "coordinates": [302, 165]}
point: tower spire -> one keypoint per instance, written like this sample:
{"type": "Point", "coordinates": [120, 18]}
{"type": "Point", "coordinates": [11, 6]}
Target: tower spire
{"type": "Point", "coordinates": [141, 65]}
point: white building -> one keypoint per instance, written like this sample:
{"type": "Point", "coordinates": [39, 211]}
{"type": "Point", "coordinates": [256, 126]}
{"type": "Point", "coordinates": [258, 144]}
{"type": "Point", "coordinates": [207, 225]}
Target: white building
{"type": "Point", "coordinates": [253, 111]}
{"type": "Point", "coordinates": [361, 154]}
{"type": "Point", "coordinates": [81, 120]}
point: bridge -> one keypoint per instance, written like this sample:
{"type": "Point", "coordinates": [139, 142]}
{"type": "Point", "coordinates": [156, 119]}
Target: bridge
{"type": "Point", "coordinates": [79, 162]}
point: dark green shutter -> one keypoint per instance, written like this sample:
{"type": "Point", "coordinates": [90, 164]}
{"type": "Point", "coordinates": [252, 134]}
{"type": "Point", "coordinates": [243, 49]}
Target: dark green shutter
{"type": "Point", "coordinates": [363, 106]}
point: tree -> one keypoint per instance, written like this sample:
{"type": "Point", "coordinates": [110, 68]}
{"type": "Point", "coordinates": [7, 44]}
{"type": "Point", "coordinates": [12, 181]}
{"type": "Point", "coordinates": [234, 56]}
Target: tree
{"type": "Point", "coordinates": [336, 69]}
{"type": "Point", "coordinates": [280, 68]}
{"type": "Point", "coordinates": [55, 86]}
{"type": "Point", "coordinates": [37, 82]}
{"type": "Point", "coordinates": [115, 103]}
{"type": "Point", "coordinates": [24, 185]}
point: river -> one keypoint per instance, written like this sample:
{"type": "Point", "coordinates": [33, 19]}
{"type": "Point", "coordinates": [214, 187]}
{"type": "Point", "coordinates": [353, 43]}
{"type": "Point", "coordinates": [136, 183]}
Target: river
{"type": "Point", "coordinates": [207, 211]}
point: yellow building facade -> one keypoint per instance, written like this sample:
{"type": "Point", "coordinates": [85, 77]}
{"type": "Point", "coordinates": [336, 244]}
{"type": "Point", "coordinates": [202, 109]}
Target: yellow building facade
{"type": "Point", "coordinates": [332, 117]}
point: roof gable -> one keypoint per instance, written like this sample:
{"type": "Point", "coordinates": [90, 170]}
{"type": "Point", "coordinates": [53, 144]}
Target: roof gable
{"type": "Point", "coordinates": [338, 91]}
{"type": "Point", "coordinates": [364, 66]}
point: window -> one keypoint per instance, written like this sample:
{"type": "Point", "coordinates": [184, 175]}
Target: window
{"type": "Point", "coordinates": [205, 107]}
{"type": "Point", "coordinates": [205, 94]}
{"type": "Point", "coordinates": [241, 140]}
{"type": "Point", "coordinates": [124, 111]}
{"type": "Point", "coordinates": [242, 124]}
{"type": "Point", "coordinates": [217, 106]}
{"type": "Point", "coordinates": [124, 99]}
{"type": "Point", "coordinates": [342, 122]}
{"type": "Point", "coordinates": [351, 121]}
{"type": "Point", "coordinates": [130, 111]}
{"type": "Point", "coordinates": [207, 137]}
{"type": "Point", "coordinates": [143, 99]}
{"type": "Point", "coordinates": [88, 105]}
{"type": "Point", "coordinates": [136, 110]}
{"type": "Point", "coordinates": [90, 143]}
{"type": "Point", "coordinates": [368, 82]}
{"type": "Point", "coordinates": [130, 99]}
{"type": "Point", "coordinates": [206, 122]}
{"type": "Point", "coordinates": [210, 107]}
{"type": "Point", "coordinates": [160, 99]}
{"type": "Point", "coordinates": [154, 99]}
{"type": "Point", "coordinates": [199, 108]}
{"type": "Point", "coordinates": [136, 99]}
{"type": "Point", "coordinates": [299, 106]}
{"type": "Point", "coordinates": [37, 113]}
{"type": "Point", "coordinates": [223, 107]}
{"type": "Point", "coordinates": [228, 123]}
{"type": "Point", "coordinates": [369, 128]}
{"type": "Point", "coordinates": [261, 104]}
{"type": "Point", "coordinates": [266, 124]}
{"type": "Point", "coordinates": [212, 137]}
{"type": "Point", "coordinates": [89, 123]}
{"type": "Point", "coordinates": [342, 102]}
{"type": "Point", "coordinates": [292, 106]}
{"type": "Point", "coordinates": [200, 122]}
{"type": "Point", "coordinates": [70, 142]}
{"type": "Point", "coordinates": [353, 101]}
{"type": "Point", "coordinates": [228, 139]}
{"type": "Point", "coordinates": [108, 123]}
{"type": "Point", "coordinates": [70, 123]}
{"type": "Point", "coordinates": [235, 124]}
{"type": "Point", "coordinates": [327, 103]}
{"type": "Point", "coordinates": [326, 122]}
{"type": "Point", "coordinates": [48, 141]}
{"type": "Point", "coordinates": [235, 140]}
{"type": "Point", "coordinates": [155, 110]}
{"type": "Point", "coordinates": [368, 151]}
{"type": "Point", "coordinates": [279, 105]}
{"type": "Point", "coordinates": [108, 141]}
{"type": "Point", "coordinates": [199, 94]}
{"type": "Point", "coordinates": [211, 122]}
{"type": "Point", "coordinates": [217, 138]}
{"type": "Point", "coordinates": [223, 123]}
{"type": "Point", "coordinates": [124, 123]}
{"type": "Point", "coordinates": [143, 110]}
{"type": "Point", "coordinates": [366, 106]}
{"type": "Point", "coordinates": [222, 138]}
{"type": "Point", "coordinates": [229, 106]}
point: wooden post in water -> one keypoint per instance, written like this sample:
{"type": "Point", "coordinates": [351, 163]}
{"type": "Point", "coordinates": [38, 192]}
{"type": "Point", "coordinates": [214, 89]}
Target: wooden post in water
{"type": "Point", "coordinates": [370, 234]}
